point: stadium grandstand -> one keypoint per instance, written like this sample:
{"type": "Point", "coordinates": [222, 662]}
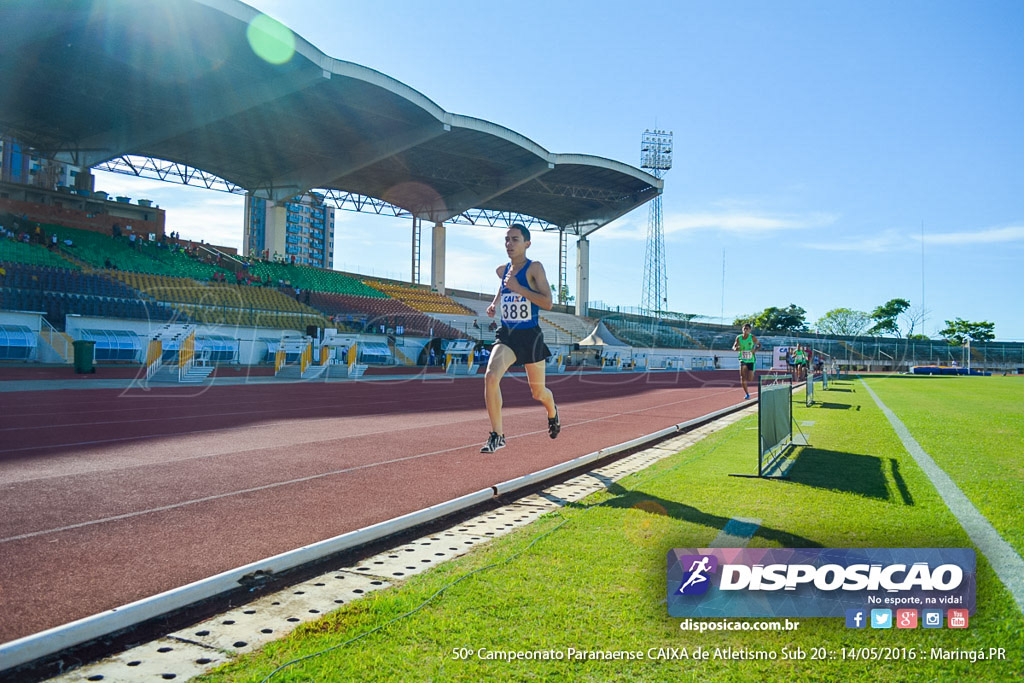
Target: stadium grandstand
{"type": "Point", "coordinates": [157, 282]}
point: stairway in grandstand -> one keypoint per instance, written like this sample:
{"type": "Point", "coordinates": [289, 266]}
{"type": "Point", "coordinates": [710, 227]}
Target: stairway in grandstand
{"type": "Point", "coordinates": [295, 372]}
{"type": "Point", "coordinates": [191, 375]}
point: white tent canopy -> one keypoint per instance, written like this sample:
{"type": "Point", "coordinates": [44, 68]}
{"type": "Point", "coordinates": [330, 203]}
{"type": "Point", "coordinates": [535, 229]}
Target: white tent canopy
{"type": "Point", "coordinates": [601, 336]}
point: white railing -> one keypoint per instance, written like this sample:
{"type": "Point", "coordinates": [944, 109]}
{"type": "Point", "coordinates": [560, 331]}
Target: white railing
{"type": "Point", "coordinates": [53, 338]}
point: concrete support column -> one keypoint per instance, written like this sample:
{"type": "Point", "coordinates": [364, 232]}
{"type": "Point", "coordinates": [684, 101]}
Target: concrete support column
{"type": "Point", "coordinates": [582, 275]}
{"type": "Point", "coordinates": [437, 259]}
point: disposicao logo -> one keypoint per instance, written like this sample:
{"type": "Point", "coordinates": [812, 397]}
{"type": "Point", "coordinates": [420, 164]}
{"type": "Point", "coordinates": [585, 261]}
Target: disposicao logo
{"type": "Point", "coordinates": [830, 582]}
{"type": "Point", "coordinates": [696, 580]}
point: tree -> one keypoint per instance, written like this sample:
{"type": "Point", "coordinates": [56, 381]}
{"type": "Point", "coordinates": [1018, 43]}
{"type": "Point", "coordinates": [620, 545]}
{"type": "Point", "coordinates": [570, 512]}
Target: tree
{"type": "Point", "coordinates": [745, 319]}
{"type": "Point", "coordinates": [564, 298]}
{"type": "Point", "coordinates": [775, 319]}
{"type": "Point", "coordinates": [885, 316]}
{"type": "Point", "coordinates": [912, 318]}
{"type": "Point", "coordinates": [958, 331]}
{"type": "Point", "coordinates": [843, 321]}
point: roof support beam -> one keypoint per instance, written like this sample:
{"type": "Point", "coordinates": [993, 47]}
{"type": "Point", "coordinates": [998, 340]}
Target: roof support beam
{"type": "Point", "coordinates": [596, 220]}
{"type": "Point", "coordinates": [332, 172]}
{"type": "Point", "coordinates": [472, 198]}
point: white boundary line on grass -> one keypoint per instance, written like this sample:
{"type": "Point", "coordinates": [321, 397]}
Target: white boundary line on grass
{"type": "Point", "coordinates": [1008, 565]}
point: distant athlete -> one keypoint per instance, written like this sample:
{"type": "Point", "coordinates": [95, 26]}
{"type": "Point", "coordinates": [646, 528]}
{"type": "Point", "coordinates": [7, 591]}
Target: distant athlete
{"type": "Point", "coordinates": [519, 341]}
{"type": "Point", "coordinates": [746, 344]}
{"type": "Point", "coordinates": [800, 361]}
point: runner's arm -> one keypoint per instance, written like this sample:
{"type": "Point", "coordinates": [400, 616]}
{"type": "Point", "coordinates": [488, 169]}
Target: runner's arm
{"type": "Point", "coordinates": [539, 292]}
{"type": "Point", "coordinates": [500, 272]}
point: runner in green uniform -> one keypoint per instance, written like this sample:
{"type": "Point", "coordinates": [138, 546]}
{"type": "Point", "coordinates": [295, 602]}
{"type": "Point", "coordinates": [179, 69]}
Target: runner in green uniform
{"type": "Point", "coordinates": [746, 344]}
{"type": "Point", "coordinates": [800, 361]}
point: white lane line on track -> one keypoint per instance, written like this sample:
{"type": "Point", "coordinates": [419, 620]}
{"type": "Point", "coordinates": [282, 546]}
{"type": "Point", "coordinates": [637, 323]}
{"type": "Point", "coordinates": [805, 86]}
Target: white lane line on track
{"type": "Point", "coordinates": [1008, 565]}
{"type": "Point", "coordinates": [161, 403]}
{"type": "Point", "coordinates": [206, 431]}
{"type": "Point", "coordinates": [206, 499]}
{"type": "Point", "coordinates": [430, 397]}
{"type": "Point", "coordinates": [312, 477]}
{"type": "Point", "coordinates": [207, 414]}
{"type": "Point", "coordinates": [125, 466]}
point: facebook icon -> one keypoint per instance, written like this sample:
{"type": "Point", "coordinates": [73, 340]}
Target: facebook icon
{"type": "Point", "coordinates": [856, 618]}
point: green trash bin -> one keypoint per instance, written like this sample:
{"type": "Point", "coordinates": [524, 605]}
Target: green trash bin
{"type": "Point", "coordinates": [84, 351]}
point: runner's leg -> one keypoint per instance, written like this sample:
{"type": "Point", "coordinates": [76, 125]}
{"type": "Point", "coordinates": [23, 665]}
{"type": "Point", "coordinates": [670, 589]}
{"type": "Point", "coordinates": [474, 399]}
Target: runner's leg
{"type": "Point", "coordinates": [502, 358]}
{"type": "Point", "coordinates": [535, 375]}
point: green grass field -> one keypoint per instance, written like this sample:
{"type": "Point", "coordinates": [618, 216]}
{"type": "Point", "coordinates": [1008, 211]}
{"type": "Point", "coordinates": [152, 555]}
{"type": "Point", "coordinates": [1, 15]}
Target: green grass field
{"type": "Point", "coordinates": [973, 427]}
{"type": "Point", "coordinates": [592, 576]}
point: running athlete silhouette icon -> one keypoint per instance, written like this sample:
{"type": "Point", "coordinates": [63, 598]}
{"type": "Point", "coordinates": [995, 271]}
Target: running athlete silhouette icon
{"type": "Point", "coordinates": [697, 576]}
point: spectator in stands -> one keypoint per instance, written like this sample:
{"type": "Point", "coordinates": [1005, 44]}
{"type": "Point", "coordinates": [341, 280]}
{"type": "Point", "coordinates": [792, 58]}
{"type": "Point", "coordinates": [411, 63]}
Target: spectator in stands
{"type": "Point", "coordinates": [432, 358]}
{"type": "Point", "coordinates": [746, 344]}
{"type": "Point", "coordinates": [53, 241]}
{"type": "Point", "coordinates": [524, 290]}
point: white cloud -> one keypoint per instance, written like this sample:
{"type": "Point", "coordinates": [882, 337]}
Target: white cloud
{"type": "Point", "coordinates": [888, 241]}
{"type": "Point", "coordinates": [1013, 233]}
{"type": "Point", "coordinates": [892, 240]}
{"type": "Point", "coordinates": [732, 221]}
{"type": "Point", "coordinates": [745, 222]}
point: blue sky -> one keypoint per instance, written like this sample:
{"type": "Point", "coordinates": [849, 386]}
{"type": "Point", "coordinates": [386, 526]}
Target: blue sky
{"type": "Point", "coordinates": [813, 141]}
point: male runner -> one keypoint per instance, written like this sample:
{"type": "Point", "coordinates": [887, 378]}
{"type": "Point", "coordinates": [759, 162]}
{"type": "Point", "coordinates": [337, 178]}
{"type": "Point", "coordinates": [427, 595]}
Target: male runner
{"type": "Point", "coordinates": [519, 341]}
{"type": "Point", "coordinates": [746, 344]}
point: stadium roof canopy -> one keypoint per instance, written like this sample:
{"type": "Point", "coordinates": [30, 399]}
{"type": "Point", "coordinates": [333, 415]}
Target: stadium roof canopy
{"type": "Point", "coordinates": [215, 85]}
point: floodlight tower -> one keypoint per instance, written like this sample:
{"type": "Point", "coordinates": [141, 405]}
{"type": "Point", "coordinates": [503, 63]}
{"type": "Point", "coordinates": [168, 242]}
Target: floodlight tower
{"type": "Point", "coordinates": [655, 155]}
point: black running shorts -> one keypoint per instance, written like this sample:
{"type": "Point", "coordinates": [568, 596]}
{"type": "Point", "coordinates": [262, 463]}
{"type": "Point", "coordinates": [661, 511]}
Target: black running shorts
{"type": "Point", "coordinates": [527, 343]}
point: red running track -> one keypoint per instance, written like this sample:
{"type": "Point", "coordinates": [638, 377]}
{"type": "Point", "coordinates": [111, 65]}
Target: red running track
{"type": "Point", "coordinates": [109, 496]}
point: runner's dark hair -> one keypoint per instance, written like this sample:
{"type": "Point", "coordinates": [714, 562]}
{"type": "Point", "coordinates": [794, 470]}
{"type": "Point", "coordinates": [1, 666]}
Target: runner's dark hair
{"type": "Point", "coordinates": [523, 229]}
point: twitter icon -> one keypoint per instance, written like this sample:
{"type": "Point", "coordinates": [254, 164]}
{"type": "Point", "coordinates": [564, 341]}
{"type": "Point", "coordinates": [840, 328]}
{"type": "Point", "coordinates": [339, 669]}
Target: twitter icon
{"type": "Point", "coordinates": [881, 618]}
